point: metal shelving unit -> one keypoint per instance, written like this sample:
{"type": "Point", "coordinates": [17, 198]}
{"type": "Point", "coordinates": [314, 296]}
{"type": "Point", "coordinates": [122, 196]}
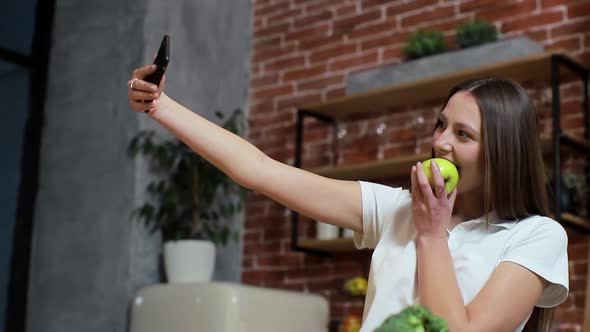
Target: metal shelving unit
{"type": "Point", "coordinates": [554, 67]}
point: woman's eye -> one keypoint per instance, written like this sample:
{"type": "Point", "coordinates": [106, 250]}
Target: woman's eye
{"type": "Point", "coordinates": [463, 134]}
{"type": "Point", "coordinates": [440, 124]}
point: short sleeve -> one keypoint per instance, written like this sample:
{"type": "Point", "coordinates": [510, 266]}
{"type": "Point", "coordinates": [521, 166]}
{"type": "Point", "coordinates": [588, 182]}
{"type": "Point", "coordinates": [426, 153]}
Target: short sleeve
{"type": "Point", "coordinates": [541, 247]}
{"type": "Point", "coordinates": [379, 203]}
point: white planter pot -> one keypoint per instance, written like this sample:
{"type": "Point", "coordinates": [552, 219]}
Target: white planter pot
{"type": "Point", "coordinates": [189, 260]}
{"type": "Point", "coordinates": [348, 233]}
{"type": "Point", "coordinates": [326, 231]}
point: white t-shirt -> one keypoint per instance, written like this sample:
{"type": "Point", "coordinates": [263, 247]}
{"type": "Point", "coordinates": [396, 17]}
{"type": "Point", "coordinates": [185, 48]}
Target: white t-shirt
{"type": "Point", "coordinates": [537, 243]}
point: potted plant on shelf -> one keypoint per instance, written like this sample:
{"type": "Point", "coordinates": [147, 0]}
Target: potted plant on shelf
{"type": "Point", "coordinates": [427, 56]}
{"type": "Point", "coordinates": [476, 32]}
{"type": "Point", "coordinates": [573, 192]}
{"type": "Point", "coordinates": [424, 43]}
{"type": "Point", "coordinates": [189, 201]}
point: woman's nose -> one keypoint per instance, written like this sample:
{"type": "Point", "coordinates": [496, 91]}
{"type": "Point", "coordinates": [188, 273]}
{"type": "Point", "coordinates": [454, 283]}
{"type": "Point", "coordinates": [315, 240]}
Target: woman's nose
{"type": "Point", "coordinates": [442, 145]}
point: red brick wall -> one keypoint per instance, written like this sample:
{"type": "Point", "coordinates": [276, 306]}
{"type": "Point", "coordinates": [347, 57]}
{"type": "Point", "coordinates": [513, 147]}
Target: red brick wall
{"type": "Point", "coordinates": [303, 51]}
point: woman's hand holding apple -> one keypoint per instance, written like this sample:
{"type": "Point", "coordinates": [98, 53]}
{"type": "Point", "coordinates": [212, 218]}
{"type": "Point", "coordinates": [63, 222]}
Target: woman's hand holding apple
{"type": "Point", "coordinates": [431, 206]}
{"type": "Point", "coordinates": [448, 171]}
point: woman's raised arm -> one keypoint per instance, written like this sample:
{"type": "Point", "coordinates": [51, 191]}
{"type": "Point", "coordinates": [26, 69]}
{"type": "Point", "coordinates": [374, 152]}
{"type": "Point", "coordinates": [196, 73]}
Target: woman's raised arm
{"type": "Point", "coordinates": [332, 201]}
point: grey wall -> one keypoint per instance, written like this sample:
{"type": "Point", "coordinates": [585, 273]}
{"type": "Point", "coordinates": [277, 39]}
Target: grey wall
{"type": "Point", "coordinates": [209, 70]}
{"type": "Point", "coordinates": [88, 259]}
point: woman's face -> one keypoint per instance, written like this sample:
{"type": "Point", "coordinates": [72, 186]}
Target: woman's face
{"type": "Point", "coordinates": [458, 138]}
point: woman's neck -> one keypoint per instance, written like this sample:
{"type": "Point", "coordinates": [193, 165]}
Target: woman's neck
{"type": "Point", "coordinates": [468, 206]}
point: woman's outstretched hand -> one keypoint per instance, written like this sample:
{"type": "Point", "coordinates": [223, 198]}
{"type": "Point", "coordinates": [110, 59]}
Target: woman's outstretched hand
{"type": "Point", "coordinates": [144, 96]}
{"type": "Point", "coordinates": [432, 210]}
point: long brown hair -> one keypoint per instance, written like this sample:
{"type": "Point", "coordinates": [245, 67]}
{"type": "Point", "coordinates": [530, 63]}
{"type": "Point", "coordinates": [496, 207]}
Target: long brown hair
{"type": "Point", "coordinates": [515, 177]}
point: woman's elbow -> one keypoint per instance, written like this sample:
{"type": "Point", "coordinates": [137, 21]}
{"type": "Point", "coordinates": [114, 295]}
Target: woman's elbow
{"type": "Point", "coordinates": [251, 175]}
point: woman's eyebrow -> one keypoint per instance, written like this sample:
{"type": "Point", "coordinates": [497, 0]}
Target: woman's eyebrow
{"type": "Point", "coordinates": [469, 127]}
{"type": "Point", "coordinates": [442, 117]}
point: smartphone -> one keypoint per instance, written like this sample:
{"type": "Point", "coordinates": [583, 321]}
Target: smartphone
{"type": "Point", "coordinates": [161, 62]}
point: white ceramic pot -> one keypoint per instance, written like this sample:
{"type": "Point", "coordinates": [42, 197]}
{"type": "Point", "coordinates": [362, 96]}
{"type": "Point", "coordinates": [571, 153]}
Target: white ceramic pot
{"type": "Point", "coordinates": [189, 260]}
{"type": "Point", "coordinates": [348, 233]}
{"type": "Point", "coordinates": [326, 231]}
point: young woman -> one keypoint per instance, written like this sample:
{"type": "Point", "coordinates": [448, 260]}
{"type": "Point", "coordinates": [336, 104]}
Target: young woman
{"type": "Point", "coordinates": [482, 257]}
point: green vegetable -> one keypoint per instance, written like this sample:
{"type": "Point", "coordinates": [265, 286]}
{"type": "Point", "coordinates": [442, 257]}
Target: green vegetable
{"type": "Point", "coordinates": [413, 319]}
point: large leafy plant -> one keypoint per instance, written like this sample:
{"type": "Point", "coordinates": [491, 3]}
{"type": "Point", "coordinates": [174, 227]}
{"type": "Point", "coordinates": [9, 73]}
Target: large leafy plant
{"type": "Point", "coordinates": [184, 201]}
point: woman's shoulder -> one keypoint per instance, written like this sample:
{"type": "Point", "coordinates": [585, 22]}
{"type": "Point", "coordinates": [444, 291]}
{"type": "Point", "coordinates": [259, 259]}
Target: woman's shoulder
{"type": "Point", "coordinates": [538, 225]}
{"type": "Point", "coordinates": [538, 220]}
{"type": "Point", "coordinates": [382, 191]}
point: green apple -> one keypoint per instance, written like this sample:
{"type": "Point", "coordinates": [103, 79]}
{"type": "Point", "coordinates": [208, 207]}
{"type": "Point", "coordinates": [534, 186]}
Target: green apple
{"type": "Point", "coordinates": [448, 171]}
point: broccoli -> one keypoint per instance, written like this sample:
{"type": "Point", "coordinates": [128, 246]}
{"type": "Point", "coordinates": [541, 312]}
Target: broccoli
{"type": "Point", "coordinates": [413, 319]}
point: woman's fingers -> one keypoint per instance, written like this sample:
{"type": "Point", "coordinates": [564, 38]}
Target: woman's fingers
{"type": "Point", "coordinates": [144, 71]}
{"type": "Point", "coordinates": [141, 101]}
{"type": "Point", "coordinates": [137, 83]}
{"type": "Point", "coordinates": [416, 192]}
{"type": "Point", "coordinates": [140, 105]}
{"type": "Point", "coordinates": [452, 197]}
{"type": "Point", "coordinates": [423, 182]}
{"type": "Point", "coordinates": [138, 95]}
{"type": "Point", "coordinates": [143, 95]}
{"type": "Point", "coordinates": [439, 183]}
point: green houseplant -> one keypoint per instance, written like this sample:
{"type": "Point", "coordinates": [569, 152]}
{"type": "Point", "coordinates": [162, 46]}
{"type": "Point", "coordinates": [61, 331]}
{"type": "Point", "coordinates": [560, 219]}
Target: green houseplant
{"type": "Point", "coordinates": [184, 198]}
{"type": "Point", "coordinates": [476, 32]}
{"type": "Point", "coordinates": [575, 185]}
{"type": "Point", "coordinates": [424, 43]}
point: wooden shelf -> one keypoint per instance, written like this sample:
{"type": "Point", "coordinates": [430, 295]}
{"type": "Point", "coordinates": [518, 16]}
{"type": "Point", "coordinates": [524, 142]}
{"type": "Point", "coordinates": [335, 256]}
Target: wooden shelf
{"type": "Point", "coordinates": [530, 68]}
{"type": "Point", "coordinates": [379, 169]}
{"type": "Point", "coordinates": [333, 245]}
{"type": "Point", "coordinates": [341, 245]}
{"type": "Point", "coordinates": [568, 141]}
{"type": "Point", "coordinates": [400, 166]}
{"type": "Point", "coordinates": [575, 141]}
{"type": "Point", "coordinates": [571, 219]}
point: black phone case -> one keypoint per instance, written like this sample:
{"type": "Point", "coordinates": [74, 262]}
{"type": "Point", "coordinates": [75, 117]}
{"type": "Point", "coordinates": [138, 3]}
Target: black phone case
{"type": "Point", "coordinates": [161, 62]}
